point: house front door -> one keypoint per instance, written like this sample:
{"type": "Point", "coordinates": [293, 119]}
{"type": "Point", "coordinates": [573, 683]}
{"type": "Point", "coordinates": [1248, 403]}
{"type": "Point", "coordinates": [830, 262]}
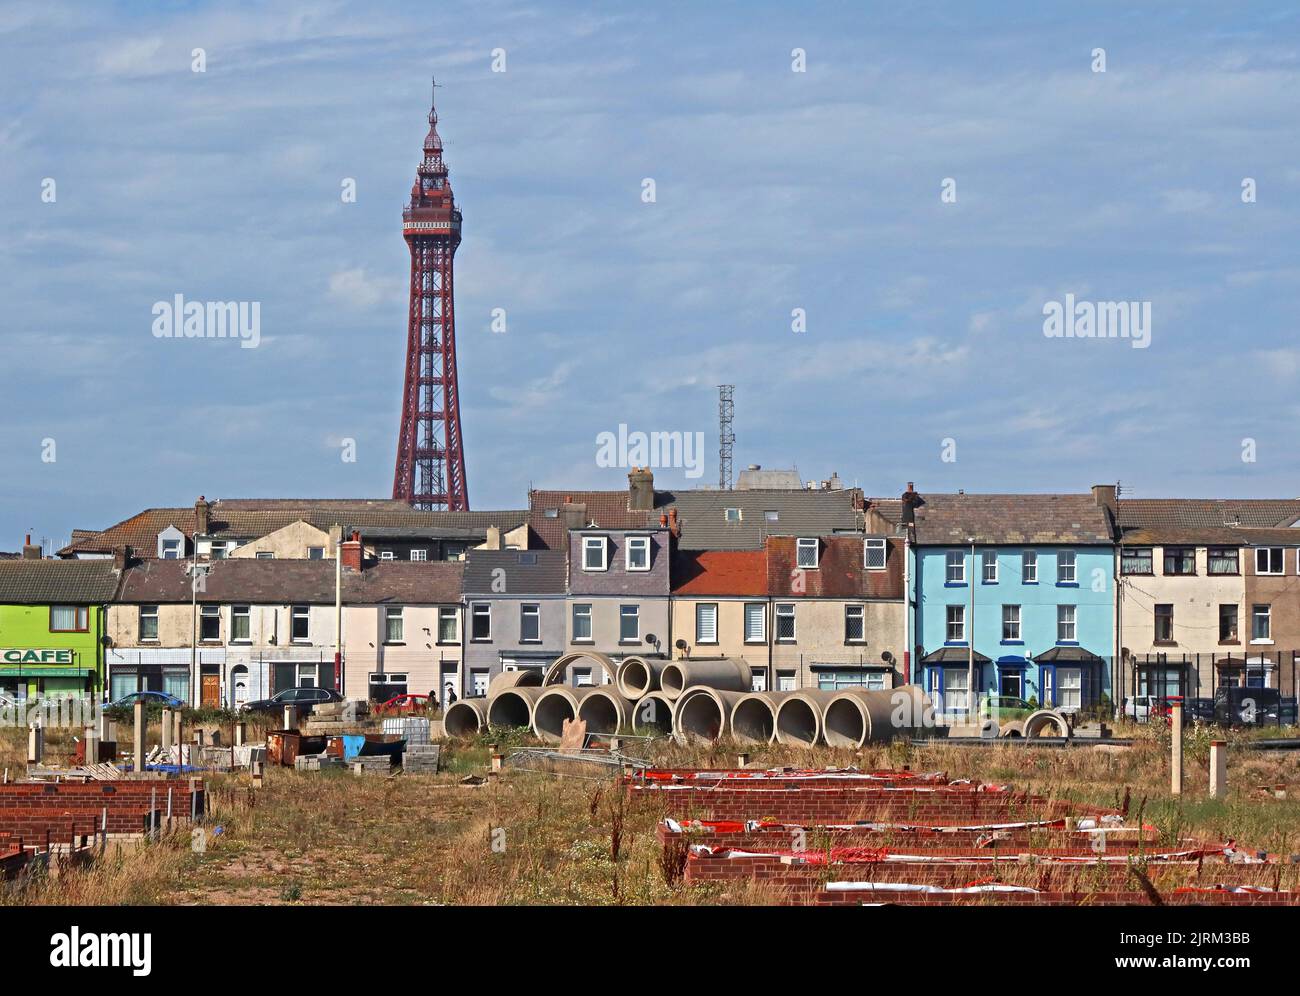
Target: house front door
{"type": "Point", "coordinates": [211, 691]}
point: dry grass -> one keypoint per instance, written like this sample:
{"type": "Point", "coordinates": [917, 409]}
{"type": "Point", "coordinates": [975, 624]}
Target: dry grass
{"type": "Point", "coordinates": [528, 838]}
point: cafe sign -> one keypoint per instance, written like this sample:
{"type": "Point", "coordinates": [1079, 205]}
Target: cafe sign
{"type": "Point", "coordinates": [19, 655]}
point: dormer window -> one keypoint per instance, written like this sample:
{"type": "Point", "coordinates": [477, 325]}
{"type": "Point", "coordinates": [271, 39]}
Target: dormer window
{"type": "Point", "coordinates": [806, 553]}
{"type": "Point", "coordinates": [594, 553]}
{"type": "Point", "coordinates": [552, 513]}
{"type": "Point", "coordinates": [771, 515]}
{"type": "Point", "coordinates": [171, 549]}
{"type": "Point", "coordinates": [638, 553]}
{"type": "Point", "coordinates": [732, 515]}
{"type": "Point", "coordinates": [873, 553]}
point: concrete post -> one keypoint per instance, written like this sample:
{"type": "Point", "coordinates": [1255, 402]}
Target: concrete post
{"type": "Point", "coordinates": [35, 744]}
{"type": "Point", "coordinates": [198, 738]}
{"type": "Point", "coordinates": [92, 745]}
{"type": "Point", "coordinates": [1218, 769]}
{"type": "Point", "coordinates": [255, 769]}
{"type": "Point", "coordinates": [176, 727]}
{"type": "Point", "coordinates": [290, 718]}
{"type": "Point", "coordinates": [498, 761]}
{"type": "Point", "coordinates": [241, 734]}
{"type": "Point", "coordinates": [1176, 749]}
{"type": "Point", "coordinates": [138, 737]}
{"type": "Point", "coordinates": [742, 760]}
{"type": "Point", "coordinates": [167, 731]}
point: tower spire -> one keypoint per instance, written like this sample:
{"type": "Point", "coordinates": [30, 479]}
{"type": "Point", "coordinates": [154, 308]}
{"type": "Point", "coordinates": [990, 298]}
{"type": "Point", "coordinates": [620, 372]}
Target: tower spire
{"type": "Point", "coordinates": [430, 471]}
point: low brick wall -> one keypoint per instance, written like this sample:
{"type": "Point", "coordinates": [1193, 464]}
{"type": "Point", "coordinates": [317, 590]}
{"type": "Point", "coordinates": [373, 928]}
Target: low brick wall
{"type": "Point", "coordinates": [64, 809]}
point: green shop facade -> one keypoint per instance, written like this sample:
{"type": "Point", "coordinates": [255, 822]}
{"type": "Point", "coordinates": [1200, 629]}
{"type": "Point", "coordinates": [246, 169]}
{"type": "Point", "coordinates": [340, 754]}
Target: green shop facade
{"type": "Point", "coordinates": [53, 626]}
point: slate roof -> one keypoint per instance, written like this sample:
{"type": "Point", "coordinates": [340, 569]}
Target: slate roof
{"type": "Point", "coordinates": [606, 509]}
{"type": "Point", "coordinates": [1013, 519]}
{"type": "Point", "coordinates": [840, 572]}
{"type": "Point", "coordinates": [526, 572]}
{"type": "Point", "coordinates": [63, 582]}
{"type": "Point", "coordinates": [292, 582]}
{"type": "Point", "coordinates": [1214, 521]}
{"type": "Point", "coordinates": [252, 518]}
{"type": "Point", "coordinates": [702, 516]}
{"type": "Point", "coordinates": [720, 572]}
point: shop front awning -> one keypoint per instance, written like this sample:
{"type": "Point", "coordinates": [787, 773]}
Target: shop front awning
{"type": "Point", "coordinates": [36, 671]}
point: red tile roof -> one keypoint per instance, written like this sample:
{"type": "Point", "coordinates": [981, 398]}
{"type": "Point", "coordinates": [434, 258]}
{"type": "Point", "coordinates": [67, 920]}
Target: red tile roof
{"type": "Point", "coordinates": [720, 572]}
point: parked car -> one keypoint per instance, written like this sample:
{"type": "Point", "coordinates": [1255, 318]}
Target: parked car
{"type": "Point", "coordinates": [1199, 710]}
{"type": "Point", "coordinates": [1007, 707]}
{"type": "Point", "coordinates": [400, 705]}
{"type": "Point", "coordinates": [1248, 707]}
{"type": "Point", "coordinates": [303, 697]}
{"type": "Point", "coordinates": [163, 700]}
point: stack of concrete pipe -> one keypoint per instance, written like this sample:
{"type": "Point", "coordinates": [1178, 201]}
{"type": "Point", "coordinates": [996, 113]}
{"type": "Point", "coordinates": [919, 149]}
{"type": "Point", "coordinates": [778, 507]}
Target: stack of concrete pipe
{"type": "Point", "coordinates": [694, 699]}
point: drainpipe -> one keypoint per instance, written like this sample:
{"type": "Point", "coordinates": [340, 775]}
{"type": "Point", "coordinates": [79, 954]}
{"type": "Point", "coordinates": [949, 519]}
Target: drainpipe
{"type": "Point", "coordinates": [195, 680]}
{"type": "Point", "coordinates": [970, 640]}
{"type": "Point", "coordinates": [338, 618]}
{"type": "Point", "coordinates": [907, 610]}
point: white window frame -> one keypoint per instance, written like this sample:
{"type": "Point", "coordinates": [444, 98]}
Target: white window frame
{"type": "Point", "coordinates": [856, 611]}
{"type": "Point", "coordinates": [145, 614]}
{"type": "Point", "coordinates": [1267, 551]}
{"type": "Point", "coordinates": [729, 518]}
{"type": "Point", "coordinates": [781, 614]}
{"type": "Point", "coordinates": [387, 555]}
{"type": "Point", "coordinates": [989, 559]}
{"type": "Point", "coordinates": [1069, 688]}
{"type": "Point", "coordinates": [954, 560]}
{"type": "Point", "coordinates": [1066, 567]}
{"type": "Point", "coordinates": [702, 610]}
{"type": "Point", "coordinates": [623, 616]}
{"type": "Point", "coordinates": [171, 549]}
{"type": "Point", "coordinates": [315, 553]}
{"type": "Point", "coordinates": [870, 545]}
{"type": "Point", "coordinates": [1029, 566]}
{"type": "Point", "coordinates": [600, 543]}
{"type": "Point", "coordinates": [420, 556]}
{"type": "Point", "coordinates": [1267, 616]}
{"type": "Point", "coordinates": [244, 612]}
{"type": "Point", "coordinates": [1011, 623]}
{"type": "Point", "coordinates": [804, 544]}
{"type": "Point", "coordinates": [762, 623]}
{"type": "Point", "coordinates": [641, 543]}
{"type": "Point", "coordinates": [297, 612]}
{"type": "Point", "coordinates": [576, 615]}
{"type": "Point", "coordinates": [954, 620]}
{"type": "Point", "coordinates": [1067, 621]}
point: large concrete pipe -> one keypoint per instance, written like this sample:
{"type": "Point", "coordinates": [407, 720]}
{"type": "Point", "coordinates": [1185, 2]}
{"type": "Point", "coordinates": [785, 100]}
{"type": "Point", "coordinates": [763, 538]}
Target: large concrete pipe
{"type": "Point", "coordinates": [856, 716]}
{"type": "Point", "coordinates": [654, 713]}
{"type": "Point", "coordinates": [513, 708]}
{"type": "Point", "coordinates": [799, 717]}
{"type": "Point", "coordinates": [703, 714]}
{"type": "Point", "coordinates": [723, 673]}
{"type": "Point", "coordinates": [527, 678]}
{"type": "Point", "coordinates": [605, 711]}
{"type": "Point", "coordinates": [753, 717]}
{"type": "Point", "coordinates": [553, 707]}
{"type": "Point", "coordinates": [637, 676]}
{"type": "Point", "coordinates": [556, 672]}
{"type": "Point", "coordinates": [1046, 723]}
{"type": "Point", "coordinates": [465, 718]}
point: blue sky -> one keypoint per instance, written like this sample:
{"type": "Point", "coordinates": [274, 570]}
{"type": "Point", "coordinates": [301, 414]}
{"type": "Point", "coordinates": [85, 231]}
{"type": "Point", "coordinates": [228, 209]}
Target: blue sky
{"type": "Point", "coordinates": [775, 190]}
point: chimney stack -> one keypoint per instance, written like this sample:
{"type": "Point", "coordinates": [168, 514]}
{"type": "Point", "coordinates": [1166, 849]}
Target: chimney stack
{"type": "Point", "coordinates": [674, 526]}
{"type": "Point", "coordinates": [202, 516]}
{"type": "Point", "coordinates": [640, 490]}
{"type": "Point", "coordinates": [493, 538]}
{"type": "Point", "coordinates": [1105, 496]}
{"type": "Point", "coordinates": [350, 552]}
{"type": "Point", "coordinates": [31, 551]}
{"type": "Point", "coordinates": [910, 498]}
{"type": "Point", "coordinates": [121, 557]}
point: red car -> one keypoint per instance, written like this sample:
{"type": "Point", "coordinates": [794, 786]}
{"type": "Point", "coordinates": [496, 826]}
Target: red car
{"type": "Point", "coordinates": [402, 704]}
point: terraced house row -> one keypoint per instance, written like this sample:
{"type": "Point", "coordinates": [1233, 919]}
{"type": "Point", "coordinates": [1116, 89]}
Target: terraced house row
{"type": "Point", "coordinates": [1079, 600]}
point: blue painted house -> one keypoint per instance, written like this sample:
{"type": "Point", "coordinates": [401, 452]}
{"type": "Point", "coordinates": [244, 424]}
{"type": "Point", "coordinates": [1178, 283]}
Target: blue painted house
{"type": "Point", "coordinates": [1020, 586]}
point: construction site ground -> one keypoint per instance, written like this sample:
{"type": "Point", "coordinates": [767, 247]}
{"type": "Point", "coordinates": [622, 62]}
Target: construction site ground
{"type": "Point", "coordinates": [527, 837]}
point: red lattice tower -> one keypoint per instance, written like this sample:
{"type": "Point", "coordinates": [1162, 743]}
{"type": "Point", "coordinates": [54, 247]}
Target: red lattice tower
{"type": "Point", "coordinates": [430, 458]}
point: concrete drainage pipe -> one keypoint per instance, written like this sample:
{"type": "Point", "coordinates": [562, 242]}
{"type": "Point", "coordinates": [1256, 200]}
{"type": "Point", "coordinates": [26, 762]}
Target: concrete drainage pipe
{"type": "Point", "coordinates": [753, 717]}
{"type": "Point", "coordinates": [513, 708]}
{"type": "Point", "coordinates": [1046, 723]}
{"type": "Point", "coordinates": [703, 714]}
{"type": "Point", "coordinates": [723, 673]}
{"type": "Point", "coordinates": [465, 718]}
{"type": "Point", "coordinates": [553, 707]}
{"type": "Point", "coordinates": [605, 711]}
{"type": "Point", "coordinates": [1015, 728]}
{"type": "Point", "coordinates": [799, 717]}
{"type": "Point", "coordinates": [858, 716]}
{"type": "Point", "coordinates": [557, 672]}
{"type": "Point", "coordinates": [527, 678]}
{"type": "Point", "coordinates": [653, 713]}
{"type": "Point", "coordinates": [638, 676]}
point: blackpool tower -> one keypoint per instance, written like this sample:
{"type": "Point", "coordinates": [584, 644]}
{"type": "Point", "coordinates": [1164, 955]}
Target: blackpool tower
{"type": "Point", "coordinates": [430, 469]}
